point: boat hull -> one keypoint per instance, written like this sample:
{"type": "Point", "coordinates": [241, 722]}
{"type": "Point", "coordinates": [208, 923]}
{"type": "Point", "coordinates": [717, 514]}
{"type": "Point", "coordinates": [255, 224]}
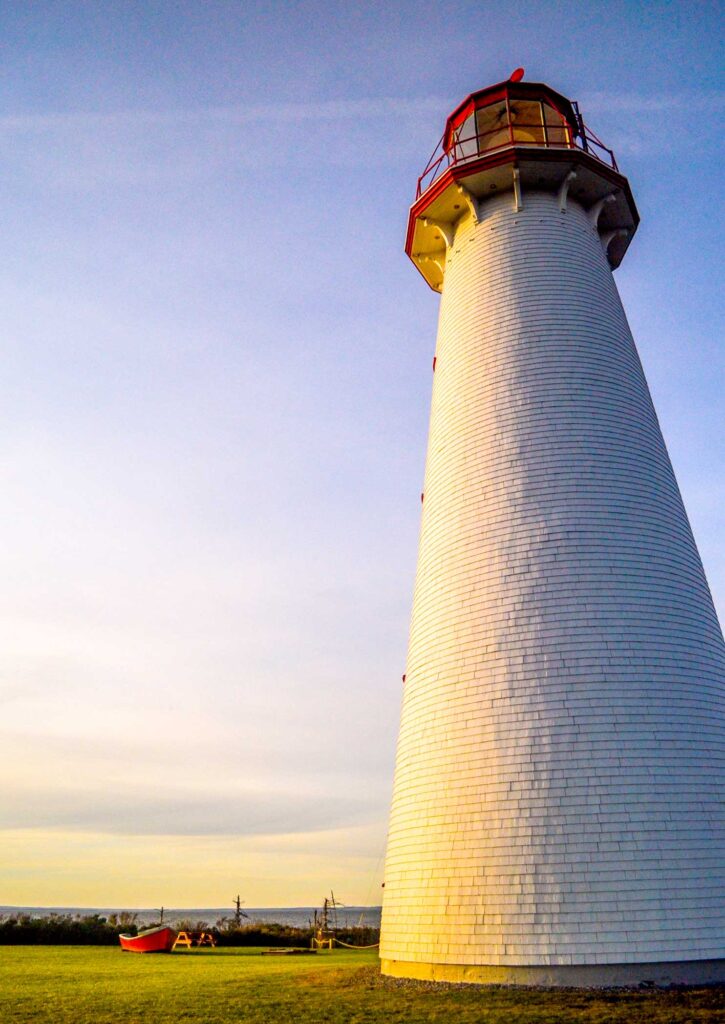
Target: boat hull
{"type": "Point", "coordinates": [153, 940]}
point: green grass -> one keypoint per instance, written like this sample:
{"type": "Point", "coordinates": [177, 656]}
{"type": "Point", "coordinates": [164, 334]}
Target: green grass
{"type": "Point", "coordinates": [100, 985]}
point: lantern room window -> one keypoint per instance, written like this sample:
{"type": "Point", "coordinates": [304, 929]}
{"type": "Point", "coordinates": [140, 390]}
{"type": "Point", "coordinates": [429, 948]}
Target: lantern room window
{"type": "Point", "coordinates": [558, 132]}
{"type": "Point", "coordinates": [506, 122]}
{"type": "Point", "coordinates": [527, 122]}
{"type": "Point", "coordinates": [492, 126]}
{"type": "Point", "coordinates": [466, 142]}
{"type": "Point", "coordinates": [537, 123]}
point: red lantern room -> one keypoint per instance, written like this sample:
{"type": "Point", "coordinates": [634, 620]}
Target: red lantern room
{"type": "Point", "coordinates": [516, 136]}
{"type": "Point", "coordinates": [503, 115]}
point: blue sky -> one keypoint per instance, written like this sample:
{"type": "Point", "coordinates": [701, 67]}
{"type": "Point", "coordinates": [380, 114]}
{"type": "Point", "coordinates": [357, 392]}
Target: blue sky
{"type": "Point", "coordinates": [214, 402]}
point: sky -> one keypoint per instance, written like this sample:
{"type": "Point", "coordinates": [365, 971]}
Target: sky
{"type": "Point", "coordinates": [214, 401]}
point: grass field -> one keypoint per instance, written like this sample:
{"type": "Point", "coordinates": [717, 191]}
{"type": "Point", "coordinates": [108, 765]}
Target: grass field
{"type": "Point", "coordinates": [100, 985]}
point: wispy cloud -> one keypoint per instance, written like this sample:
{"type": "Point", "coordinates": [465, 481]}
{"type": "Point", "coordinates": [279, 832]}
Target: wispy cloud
{"type": "Point", "coordinates": [673, 102]}
{"type": "Point", "coordinates": [267, 114]}
{"type": "Point", "coordinates": [637, 125]}
{"type": "Point", "coordinates": [133, 812]}
{"type": "Point", "coordinates": [149, 146]}
{"type": "Point", "coordinates": [85, 150]}
{"type": "Point", "coordinates": [366, 110]}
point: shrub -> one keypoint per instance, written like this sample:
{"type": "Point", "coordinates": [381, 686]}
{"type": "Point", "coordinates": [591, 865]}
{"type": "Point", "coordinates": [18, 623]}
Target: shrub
{"type": "Point", "coordinates": [64, 929]}
{"type": "Point", "coordinates": [263, 933]}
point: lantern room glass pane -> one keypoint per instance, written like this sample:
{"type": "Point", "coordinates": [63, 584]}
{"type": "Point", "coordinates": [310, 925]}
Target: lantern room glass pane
{"type": "Point", "coordinates": [558, 132]}
{"type": "Point", "coordinates": [492, 125]}
{"type": "Point", "coordinates": [465, 140]}
{"type": "Point", "coordinates": [527, 121]}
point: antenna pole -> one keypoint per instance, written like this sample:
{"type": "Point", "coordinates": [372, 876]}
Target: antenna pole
{"type": "Point", "coordinates": [238, 912]}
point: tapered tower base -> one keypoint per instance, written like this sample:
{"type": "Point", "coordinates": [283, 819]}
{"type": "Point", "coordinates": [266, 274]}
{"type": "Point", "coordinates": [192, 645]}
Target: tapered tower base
{"type": "Point", "coordinates": [684, 972]}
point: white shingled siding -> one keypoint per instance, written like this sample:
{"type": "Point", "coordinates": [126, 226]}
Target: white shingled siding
{"type": "Point", "coordinates": [561, 747]}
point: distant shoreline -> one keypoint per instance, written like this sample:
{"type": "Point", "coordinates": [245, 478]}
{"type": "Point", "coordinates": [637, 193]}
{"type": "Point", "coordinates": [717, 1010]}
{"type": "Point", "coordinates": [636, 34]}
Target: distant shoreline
{"type": "Point", "coordinates": [298, 916]}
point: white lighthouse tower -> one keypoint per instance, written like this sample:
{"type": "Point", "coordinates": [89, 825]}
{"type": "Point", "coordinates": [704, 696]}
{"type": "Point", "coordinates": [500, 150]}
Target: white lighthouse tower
{"type": "Point", "coordinates": [557, 813]}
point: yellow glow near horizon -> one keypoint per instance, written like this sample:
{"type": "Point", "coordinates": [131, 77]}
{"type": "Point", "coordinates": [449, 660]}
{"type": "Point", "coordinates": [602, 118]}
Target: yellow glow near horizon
{"type": "Point", "coordinates": [74, 869]}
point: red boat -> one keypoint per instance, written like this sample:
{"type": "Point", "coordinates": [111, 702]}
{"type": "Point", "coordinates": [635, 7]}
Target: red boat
{"type": "Point", "coordinates": [150, 940]}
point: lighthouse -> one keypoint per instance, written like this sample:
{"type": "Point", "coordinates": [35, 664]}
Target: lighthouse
{"type": "Point", "coordinates": [557, 809]}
